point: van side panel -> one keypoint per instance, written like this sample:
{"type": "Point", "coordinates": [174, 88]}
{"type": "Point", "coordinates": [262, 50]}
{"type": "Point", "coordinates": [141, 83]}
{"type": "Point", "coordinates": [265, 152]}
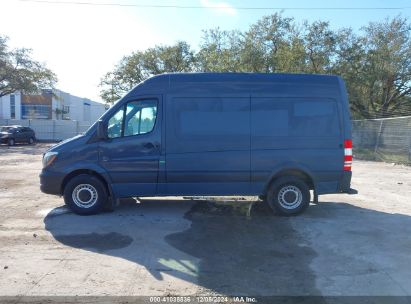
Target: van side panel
{"type": "Point", "coordinates": [207, 145]}
{"type": "Point", "coordinates": [301, 133]}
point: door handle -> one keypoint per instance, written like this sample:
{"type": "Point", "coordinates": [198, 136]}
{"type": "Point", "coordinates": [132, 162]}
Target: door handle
{"type": "Point", "coordinates": [149, 146]}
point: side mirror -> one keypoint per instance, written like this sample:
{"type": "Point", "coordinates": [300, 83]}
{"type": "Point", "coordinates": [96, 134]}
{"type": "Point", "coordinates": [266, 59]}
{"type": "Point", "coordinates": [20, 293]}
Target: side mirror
{"type": "Point", "coordinates": [101, 130]}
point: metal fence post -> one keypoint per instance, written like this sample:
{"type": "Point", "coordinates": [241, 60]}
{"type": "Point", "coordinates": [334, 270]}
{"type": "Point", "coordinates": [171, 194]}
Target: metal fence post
{"type": "Point", "coordinates": [54, 129]}
{"type": "Point", "coordinates": [77, 127]}
{"type": "Point", "coordinates": [377, 142]}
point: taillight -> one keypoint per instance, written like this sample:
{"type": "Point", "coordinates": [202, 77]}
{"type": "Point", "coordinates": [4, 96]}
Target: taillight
{"type": "Point", "coordinates": [347, 154]}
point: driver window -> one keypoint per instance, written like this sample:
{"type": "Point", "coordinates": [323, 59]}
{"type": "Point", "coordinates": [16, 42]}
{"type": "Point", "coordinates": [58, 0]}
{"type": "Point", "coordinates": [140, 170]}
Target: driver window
{"type": "Point", "coordinates": [140, 117]}
{"type": "Point", "coordinates": [115, 124]}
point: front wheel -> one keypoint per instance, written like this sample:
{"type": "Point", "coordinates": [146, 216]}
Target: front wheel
{"type": "Point", "coordinates": [288, 195]}
{"type": "Point", "coordinates": [31, 141]}
{"type": "Point", "coordinates": [85, 194]}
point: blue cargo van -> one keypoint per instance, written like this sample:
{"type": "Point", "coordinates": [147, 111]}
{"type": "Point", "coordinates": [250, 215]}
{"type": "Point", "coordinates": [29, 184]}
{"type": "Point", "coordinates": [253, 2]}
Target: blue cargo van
{"type": "Point", "coordinates": [277, 136]}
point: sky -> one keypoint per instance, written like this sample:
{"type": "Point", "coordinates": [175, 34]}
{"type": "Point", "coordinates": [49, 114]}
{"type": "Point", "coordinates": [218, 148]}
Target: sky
{"type": "Point", "coordinates": [81, 42]}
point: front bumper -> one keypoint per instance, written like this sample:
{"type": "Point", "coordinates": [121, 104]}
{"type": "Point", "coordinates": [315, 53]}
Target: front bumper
{"type": "Point", "coordinates": [51, 182]}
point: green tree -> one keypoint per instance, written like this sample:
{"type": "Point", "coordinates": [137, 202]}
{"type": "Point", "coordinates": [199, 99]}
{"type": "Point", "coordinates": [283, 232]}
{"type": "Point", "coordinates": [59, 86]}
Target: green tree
{"type": "Point", "coordinates": [220, 51]}
{"type": "Point", "coordinates": [19, 72]}
{"type": "Point", "coordinates": [375, 63]}
{"type": "Point", "coordinates": [385, 82]}
{"type": "Point", "coordinates": [376, 66]}
{"type": "Point", "coordinates": [127, 73]}
{"type": "Point", "coordinates": [163, 59]}
{"type": "Point", "coordinates": [320, 43]}
{"type": "Point", "coordinates": [265, 43]}
{"type": "Point", "coordinates": [141, 65]}
{"type": "Point", "coordinates": [350, 64]}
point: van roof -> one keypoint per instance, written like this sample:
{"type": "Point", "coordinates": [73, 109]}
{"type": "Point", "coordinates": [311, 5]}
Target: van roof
{"type": "Point", "coordinates": [240, 83]}
{"type": "Point", "coordinates": [249, 77]}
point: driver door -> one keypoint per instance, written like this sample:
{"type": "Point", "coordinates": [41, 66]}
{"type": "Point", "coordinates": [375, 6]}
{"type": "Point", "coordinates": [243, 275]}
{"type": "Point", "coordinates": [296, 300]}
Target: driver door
{"type": "Point", "coordinates": [132, 151]}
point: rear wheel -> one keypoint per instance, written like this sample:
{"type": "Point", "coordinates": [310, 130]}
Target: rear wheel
{"type": "Point", "coordinates": [288, 195]}
{"type": "Point", "coordinates": [11, 142]}
{"type": "Point", "coordinates": [31, 141]}
{"type": "Point", "coordinates": [85, 194]}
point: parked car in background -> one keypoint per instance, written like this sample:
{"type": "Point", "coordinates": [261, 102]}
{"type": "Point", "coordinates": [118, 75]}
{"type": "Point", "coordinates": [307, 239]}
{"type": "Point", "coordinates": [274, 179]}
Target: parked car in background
{"type": "Point", "coordinates": [17, 134]}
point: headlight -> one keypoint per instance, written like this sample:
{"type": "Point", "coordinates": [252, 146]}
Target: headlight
{"type": "Point", "coordinates": [49, 158]}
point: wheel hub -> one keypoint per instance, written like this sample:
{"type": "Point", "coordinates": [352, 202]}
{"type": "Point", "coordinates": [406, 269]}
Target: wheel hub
{"type": "Point", "coordinates": [85, 195]}
{"type": "Point", "coordinates": [290, 197]}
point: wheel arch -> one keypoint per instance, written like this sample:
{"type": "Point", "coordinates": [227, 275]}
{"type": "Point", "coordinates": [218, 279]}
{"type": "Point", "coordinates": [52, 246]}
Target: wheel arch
{"type": "Point", "coordinates": [91, 172]}
{"type": "Point", "coordinates": [299, 172]}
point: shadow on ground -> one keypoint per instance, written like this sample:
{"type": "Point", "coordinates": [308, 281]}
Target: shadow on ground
{"type": "Point", "coordinates": [214, 247]}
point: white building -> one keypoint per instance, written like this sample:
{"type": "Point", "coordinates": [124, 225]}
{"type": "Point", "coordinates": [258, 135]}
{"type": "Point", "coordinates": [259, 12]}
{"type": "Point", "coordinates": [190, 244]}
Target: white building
{"type": "Point", "coordinates": [51, 104]}
{"type": "Point", "coordinates": [77, 108]}
{"type": "Point", "coordinates": [10, 106]}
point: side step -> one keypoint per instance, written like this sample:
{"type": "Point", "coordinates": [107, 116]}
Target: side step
{"type": "Point", "coordinates": [222, 198]}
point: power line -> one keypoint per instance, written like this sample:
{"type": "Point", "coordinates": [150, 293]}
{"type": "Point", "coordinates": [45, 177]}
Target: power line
{"type": "Point", "coordinates": [213, 7]}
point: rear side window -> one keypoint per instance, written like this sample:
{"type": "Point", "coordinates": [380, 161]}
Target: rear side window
{"type": "Point", "coordinates": [208, 124]}
{"type": "Point", "coordinates": [279, 117]}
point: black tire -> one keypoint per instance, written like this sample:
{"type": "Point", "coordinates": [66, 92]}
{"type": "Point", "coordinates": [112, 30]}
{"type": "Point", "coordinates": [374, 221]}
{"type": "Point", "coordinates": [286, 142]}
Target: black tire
{"type": "Point", "coordinates": [11, 142]}
{"type": "Point", "coordinates": [82, 187]}
{"type": "Point", "coordinates": [288, 196]}
{"type": "Point", "coordinates": [31, 141]}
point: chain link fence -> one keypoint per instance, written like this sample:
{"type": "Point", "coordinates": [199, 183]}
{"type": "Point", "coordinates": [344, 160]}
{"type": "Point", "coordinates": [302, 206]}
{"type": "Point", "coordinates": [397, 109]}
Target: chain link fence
{"type": "Point", "coordinates": [53, 130]}
{"type": "Point", "coordinates": [386, 139]}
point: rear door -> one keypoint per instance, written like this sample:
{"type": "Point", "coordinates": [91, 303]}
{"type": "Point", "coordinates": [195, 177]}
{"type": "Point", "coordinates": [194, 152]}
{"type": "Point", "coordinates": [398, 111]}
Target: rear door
{"type": "Point", "coordinates": [132, 151]}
